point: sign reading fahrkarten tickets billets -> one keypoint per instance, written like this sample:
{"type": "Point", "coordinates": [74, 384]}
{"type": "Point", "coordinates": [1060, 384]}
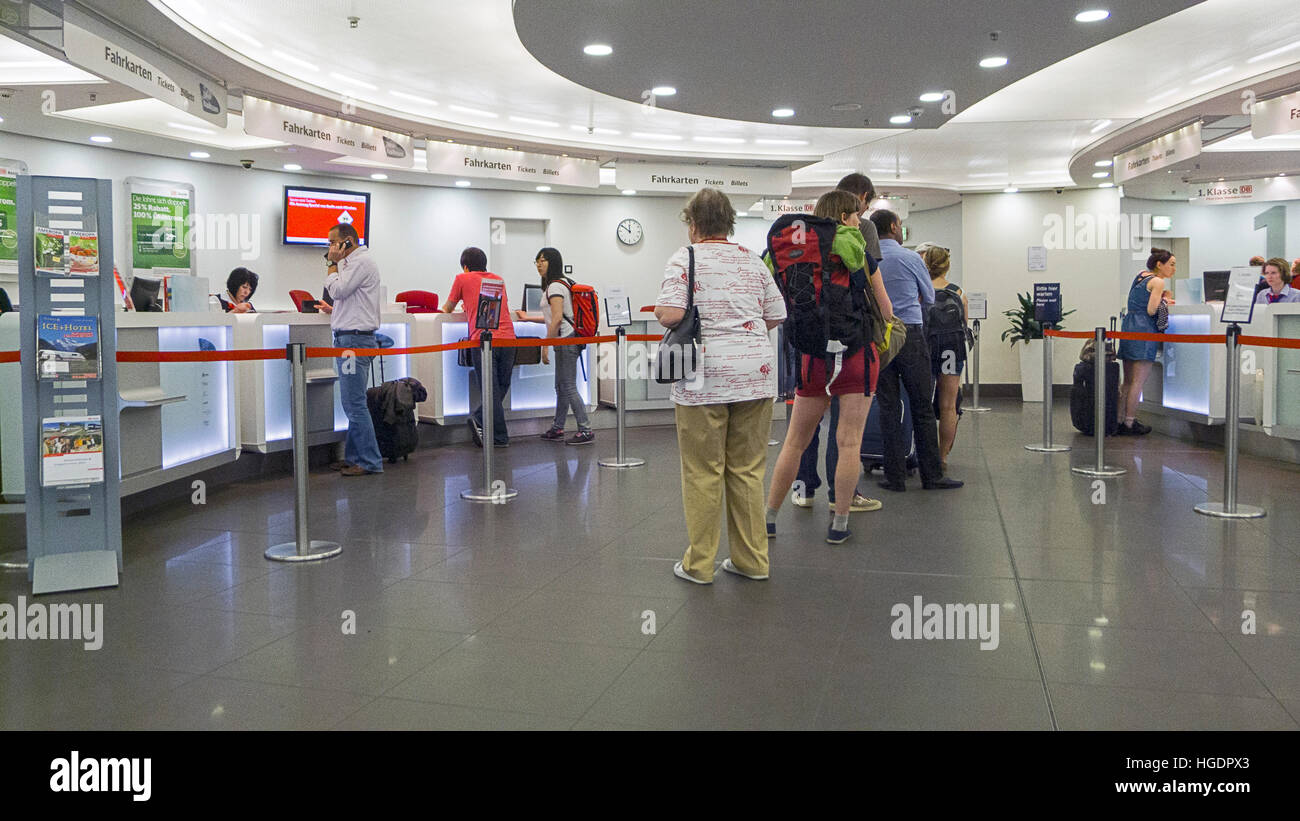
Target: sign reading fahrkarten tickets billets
{"type": "Point", "coordinates": [691, 178]}
{"type": "Point", "coordinates": [263, 118]}
{"type": "Point", "coordinates": [501, 164]}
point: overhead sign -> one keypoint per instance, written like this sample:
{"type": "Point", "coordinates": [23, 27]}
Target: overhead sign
{"type": "Point", "coordinates": [773, 208]}
{"type": "Point", "coordinates": [274, 121]}
{"type": "Point", "coordinates": [500, 164]}
{"type": "Point", "coordinates": [1266, 190]}
{"type": "Point", "coordinates": [1280, 115]}
{"type": "Point", "coordinates": [126, 60]}
{"type": "Point", "coordinates": [1173, 147]}
{"type": "Point", "coordinates": [691, 178]}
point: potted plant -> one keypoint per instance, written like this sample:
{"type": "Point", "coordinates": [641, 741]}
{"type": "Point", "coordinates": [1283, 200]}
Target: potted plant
{"type": "Point", "coordinates": [1024, 328]}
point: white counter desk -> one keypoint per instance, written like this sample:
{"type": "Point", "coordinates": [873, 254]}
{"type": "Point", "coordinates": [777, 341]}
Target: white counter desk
{"type": "Point", "coordinates": [1190, 379]}
{"type": "Point", "coordinates": [1281, 367]}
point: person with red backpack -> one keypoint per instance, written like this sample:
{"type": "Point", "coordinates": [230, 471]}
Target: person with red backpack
{"type": "Point", "coordinates": [571, 311]}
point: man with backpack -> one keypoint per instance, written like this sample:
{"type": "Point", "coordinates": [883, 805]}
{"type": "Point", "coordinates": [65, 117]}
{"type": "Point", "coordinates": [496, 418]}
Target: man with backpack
{"type": "Point", "coordinates": [911, 293]}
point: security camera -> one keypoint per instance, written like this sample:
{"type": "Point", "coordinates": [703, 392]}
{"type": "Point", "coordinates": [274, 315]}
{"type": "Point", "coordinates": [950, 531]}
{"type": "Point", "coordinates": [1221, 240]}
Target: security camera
{"type": "Point", "coordinates": [246, 163]}
{"type": "Point", "coordinates": [1059, 190]}
{"type": "Point", "coordinates": [916, 111]}
{"type": "Point", "coordinates": [354, 21]}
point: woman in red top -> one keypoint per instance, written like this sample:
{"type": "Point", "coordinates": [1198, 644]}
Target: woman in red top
{"type": "Point", "coordinates": [466, 288]}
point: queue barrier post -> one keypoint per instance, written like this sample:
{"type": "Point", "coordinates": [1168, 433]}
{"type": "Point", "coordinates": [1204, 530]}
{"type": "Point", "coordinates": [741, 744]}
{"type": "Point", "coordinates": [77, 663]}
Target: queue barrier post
{"type": "Point", "coordinates": [493, 490]}
{"type": "Point", "coordinates": [621, 459]}
{"type": "Point", "coordinates": [1047, 446]}
{"type": "Point", "coordinates": [1101, 469]}
{"type": "Point", "coordinates": [17, 560]}
{"type": "Point", "coordinates": [1228, 508]}
{"type": "Point", "coordinates": [976, 407]}
{"type": "Point", "coordinates": [302, 548]}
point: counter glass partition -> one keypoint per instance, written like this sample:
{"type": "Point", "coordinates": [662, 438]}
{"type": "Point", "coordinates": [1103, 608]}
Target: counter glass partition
{"type": "Point", "coordinates": [1187, 367]}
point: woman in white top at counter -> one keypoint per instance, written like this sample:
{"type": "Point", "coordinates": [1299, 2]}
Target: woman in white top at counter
{"type": "Point", "coordinates": [1279, 284]}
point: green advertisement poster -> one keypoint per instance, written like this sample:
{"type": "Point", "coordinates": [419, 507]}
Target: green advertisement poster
{"type": "Point", "coordinates": [158, 230]}
{"type": "Point", "coordinates": [8, 223]}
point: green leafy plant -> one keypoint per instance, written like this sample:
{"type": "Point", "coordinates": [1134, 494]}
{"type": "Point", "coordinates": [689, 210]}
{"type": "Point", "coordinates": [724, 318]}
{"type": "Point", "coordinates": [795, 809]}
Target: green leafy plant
{"type": "Point", "coordinates": [1023, 325]}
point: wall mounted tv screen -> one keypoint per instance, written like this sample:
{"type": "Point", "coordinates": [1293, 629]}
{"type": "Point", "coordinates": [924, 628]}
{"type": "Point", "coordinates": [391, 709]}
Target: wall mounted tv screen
{"type": "Point", "coordinates": [310, 213]}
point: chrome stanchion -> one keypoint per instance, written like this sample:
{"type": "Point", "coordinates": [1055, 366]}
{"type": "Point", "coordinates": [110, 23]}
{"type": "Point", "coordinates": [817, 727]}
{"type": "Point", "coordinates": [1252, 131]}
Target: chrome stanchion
{"type": "Point", "coordinates": [493, 490]}
{"type": "Point", "coordinates": [1047, 446]}
{"type": "Point", "coordinates": [1229, 509]}
{"type": "Point", "coordinates": [621, 459]}
{"type": "Point", "coordinates": [1099, 411]}
{"type": "Point", "coordinates": [17, 560]}
{"type": "Point", "coordinates": [302, 549]}
{"type": "Point", "coordinates": [976, 407]}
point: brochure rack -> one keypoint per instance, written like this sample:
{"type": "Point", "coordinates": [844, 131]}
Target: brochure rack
{"type": "Point", "coordinates": [74, 531]}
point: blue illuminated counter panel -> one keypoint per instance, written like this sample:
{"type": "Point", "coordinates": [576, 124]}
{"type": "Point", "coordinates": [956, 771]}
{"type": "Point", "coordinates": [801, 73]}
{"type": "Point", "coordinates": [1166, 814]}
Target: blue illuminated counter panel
{"type": "Point", "coordinates": [1190, 381]}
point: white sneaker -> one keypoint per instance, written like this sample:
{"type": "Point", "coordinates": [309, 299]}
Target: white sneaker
{"type": "Point", "coordinates": [862, 504]}
{"type": "Point", "coordinates": [681, 573]}
{"type": "Point", "coordinates": [731, 568]}
{"type": "Point", "coordinates": [800, 499]}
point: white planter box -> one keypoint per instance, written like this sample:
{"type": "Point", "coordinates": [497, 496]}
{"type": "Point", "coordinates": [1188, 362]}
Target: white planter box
{"type": "Point", "coordinates": [1031, 370]}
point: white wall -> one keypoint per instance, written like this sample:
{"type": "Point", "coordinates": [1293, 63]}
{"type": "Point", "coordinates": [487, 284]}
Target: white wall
{"type": "Point", "coordinates": [941, 226]}
{"type": "Point", "coordinates": [1219, 236]}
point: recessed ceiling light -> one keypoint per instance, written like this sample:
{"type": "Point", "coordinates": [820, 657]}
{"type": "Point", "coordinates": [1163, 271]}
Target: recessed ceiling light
{"type": "Point", "coordinates": [100, 138]}
{"type": "Point", "coordinates": [1281, 175]}
{"type": "Point", "coordinates": [200, 155]}
{"type": "Point", "coordinates": [534, 121]}
{"type": "Point", "coordinates": [597, 50]}
{"type": "Point", "coordinates": [663, 91]}
{"type": "Point", "coordinates": [1220, 179]}
{"type": "Point", "coordinates": [298, 61]}
{"type": "Point", "coordinates": [414, 98]}
{"type": "Point", "coordinates": [783, 112]}
{"type": "Point", "coordinates": [1273, 53]}
{"type": "Point", "coordinates": [1107, 185]}
{"type": "Point", "coordinates": [1104, 163]}
{"type": "Point", "coordinates": [932, 97]}
{"type": "Point", "coordinates": [477, 112]}
{"type": "Point", "coordinates": [293, 166]}
{"type": "Point", "coordinates": [847, 107]}
{"type": "Point", "coordinates": [1212, 75]}
{"type": "Point", "coordinates": [993, 62]}
{"type": "Point", "coordinates": [719, 140]}
{"type": "Point", "coordinates": [770, 141]}
{"type": "Point", "coordinates": [1101, 175]}
{"type": "Point", "coordinates": [543, 188]}
{"type": "Point", "coordinates": [596, 130]}
{"type": "Point", "coordinates": [196, 129]}
{"type": "Point", "coordinates": [450, 140]}
{"type": "Point", "coordinates": [647, 135]}
{"type": "Point", "coordinates": [343, 78]}
{"type": "Point", "coordinates": [900, 119]}
{"type": "Point", "coordinates": [1092, 16]}
{"type": "Point", "coordinates": [629, 192]}
{"type": "Point", "coordinates": [1099, 126]}
{"type": "Point", "coordinates": [742, 213]}
{"type": "Point", "coordinates": [462, 183]}
{"type": "Point", "coordinates": [378, 176]}
{"type": "Point", "coordinates": [1010, 189]}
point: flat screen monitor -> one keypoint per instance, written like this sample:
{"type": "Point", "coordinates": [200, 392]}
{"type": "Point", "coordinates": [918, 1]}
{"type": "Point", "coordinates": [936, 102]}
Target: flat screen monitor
{"type": "Point", "coordinates": [1216, 285]}
{"type": "Point", "coordinates": [532, 300]}
{"type": "Point", "coordinates": [310, 213]}
{"type": "Point", "coordinates": [145, 294]}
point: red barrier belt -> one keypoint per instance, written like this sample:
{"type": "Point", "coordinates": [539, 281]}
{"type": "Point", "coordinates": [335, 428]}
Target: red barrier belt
{"type": "Point", "coordinates": [334, 353]}
{"type": "Point", "coordinates": [1207, 339]}
{"type": "Point", "coordinates": [10, 356]}
{"type": "Point", "coordinates": [200, 356]}
{"type": "Point", "coordinates": [1269, 342]}
{"type": "Point", "coordinates": [534, 342]}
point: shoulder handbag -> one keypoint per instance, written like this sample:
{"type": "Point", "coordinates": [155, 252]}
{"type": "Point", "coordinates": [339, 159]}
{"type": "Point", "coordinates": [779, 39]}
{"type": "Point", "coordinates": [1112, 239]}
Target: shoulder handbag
{"type": "Point", "coordinates": [888, 337]}
{"type": "Point", "coordinates": [1162, 316]}
{"type": "Point", "coordinates": [679, 350]}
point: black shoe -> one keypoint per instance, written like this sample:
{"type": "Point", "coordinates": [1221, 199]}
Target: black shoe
{"type": "Point", "coordinates": [943, 484]}
{"type": "Point", "coordinates": [504, 444]}
{"type": "Point", "coordinates": [475, 431]}
{"type": "Point", "coordinates": [1139, 429]}
{"type": "Point", "coordinates": [897, 487]}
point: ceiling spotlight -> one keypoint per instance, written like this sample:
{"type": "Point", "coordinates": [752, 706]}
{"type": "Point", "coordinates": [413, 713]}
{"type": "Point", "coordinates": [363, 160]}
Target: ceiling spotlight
{"type": "Point", "coordinates": [543, 188]}
{"type": "Point", "coordinates": [1107, 185]}
{"type": "Point", "coordinates": [200, 155]}
{"type": "Point", "coordinates": [900, 119]}
{"type": "Point", "coordinates": [378, 176]}
{"type": "Point", "coordinates": [742, 213]}
{"type": "Point", "coordinates": [663, 91]}
{"type": "Point", "coordinates": [847, 107]}
{"type": "Point", "coordinates": [1281, 175]}
{"type": "Point", "coordinates": [1010, 189]}
{"type": "Point", "coordinates": [1100, 174]}
{"type": "Point", "coordinates": [597, 50]}
{"type": "Point", "coordinates": [293, 166]}
{"type": "Point", "coordinates": [1099, 126]}
{"type": "Point", "coordinates": [1091, 16]}
{"type": "Point", "coordinates": [1103, 163]}
{"type": "Point", "coordinates": [462, 183]}
{"type": "Point", "coordinates": [1220, 179]}
{"type": "Point", "coordinates": [100, 138]}
{"type": "Point", "coordinates": [783, 112]}
{"type": "Point", "coordinates": [629, 192]}
{"type": "Point", "coordinates": [932, 97]}
{"type": "Point", "coordinates": [993, 62]}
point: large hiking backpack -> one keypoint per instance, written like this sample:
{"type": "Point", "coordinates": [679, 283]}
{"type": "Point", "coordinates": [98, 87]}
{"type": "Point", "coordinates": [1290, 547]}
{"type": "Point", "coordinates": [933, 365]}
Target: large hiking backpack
{"type": "Point", "coordinates": [946, 319]}
{"type": "Point", "coordinates": [586, 308]}
{"type": "Point", "coordinates": [818, 310]}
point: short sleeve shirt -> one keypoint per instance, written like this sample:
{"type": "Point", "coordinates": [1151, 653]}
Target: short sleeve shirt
{"type": "Point", "coordinates": [561, 290]}
{"type": "Point", "coordinates": [734, 293]}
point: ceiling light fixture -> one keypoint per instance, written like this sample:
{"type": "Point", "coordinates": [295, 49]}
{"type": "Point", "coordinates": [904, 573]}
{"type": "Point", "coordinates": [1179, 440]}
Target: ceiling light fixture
{"type": "Point", "coordinates": [1010, 189]}
{"type": "Point", "coordinates": [742, 213]}
{"type": "Point", "coordinates": [719, 140]}
{"type": "Point", "coordinates": [414, 98]}
{"type": "Point", "coordinates": [378, 176]}
{"type": "Point", "coordinates": [100, 138]}
{"type": "Point", "coordinates": [901, 119]}
{"type": "Point", "coordinates": [1103, 163]}
{"type": "Point", "coordinates": [629, 192]}
{"type": "Point", "coordinates": [770, 141]}
{"type": "Point", "coordinates": [477, 112]}
{"type": "Point", "coordinates": [533, 121]}
{"type": "Point", "coordinates": [293, 166]}
{"type": "Point", "coordinates": [783, 112]}
{"type": "Point", "coordinates": [932, 97]}
{"type": "Point", "coordinates": [847, 107]}
{"type": "Point", "coordinates": [200, 155]}
{"type": "Point", "coordinates": [298, 61]}
{"type": "Point", "coordinates": [1099, 126]}
{"type": "Point", "coordinates": [343, 78]}
{"type": "Point", "coordinates": [1274, 52]}
{"type": "Point", "coordinates": [1091, 16]}
{"type": "Point", "coordinates": [1107, 185]}
{"type": "Point", "coordinates": [647, 135]}
{"type": "Point", "coordinates": [462, 183]}
{"type": "Point", "coordinates": [993, 62]}
{"type": "Point", "coordinates": [1212, 75]}
{"type": "Point", "coordinates": [196, 129]}
{"type": "Point", "coordinates": [663, 91]}
{"type": "Point", "coordinates": [1100, 175]}
{"type": "Point", "coordinates": [543, 188]}
{"type": "Point", "coordinates": [597, 50]}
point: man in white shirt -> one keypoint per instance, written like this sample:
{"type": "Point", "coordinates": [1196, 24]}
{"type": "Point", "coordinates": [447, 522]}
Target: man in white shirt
{"type": "Point", "coordinates": [353, 282]}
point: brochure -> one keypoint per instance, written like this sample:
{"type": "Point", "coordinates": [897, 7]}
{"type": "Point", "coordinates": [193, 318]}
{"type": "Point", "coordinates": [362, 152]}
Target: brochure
{"type": "Point", "coordinates": [49, 251]}
{"type": "Point", "coordinates": [83, 253]}
{"type": "Point", "coordinates": [67, 347]}
{"type": "Point", "coordinates": [72, 451]}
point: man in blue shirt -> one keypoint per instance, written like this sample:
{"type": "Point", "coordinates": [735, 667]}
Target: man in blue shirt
{"type": "Point", "coordinates": [908, 283]}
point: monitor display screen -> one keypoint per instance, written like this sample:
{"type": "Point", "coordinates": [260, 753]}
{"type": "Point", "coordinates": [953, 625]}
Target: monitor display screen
{"type": "Point", "coordinates": [310, 213]}
{"type": "Point", "coordinates": [532, 300]}
{"type": "Point", "coordinates": [146, 293]}
{"type": "Point", "coordinates": [1216, 285]}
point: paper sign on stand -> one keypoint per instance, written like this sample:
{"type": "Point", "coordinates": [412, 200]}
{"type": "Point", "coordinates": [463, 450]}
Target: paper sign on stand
{"type": "Point", "coordinates": [1239, 303]}
{"type": "Point", "coordinates": [618, 309]}
{"type": "Point", "coordinates": [977, 305]}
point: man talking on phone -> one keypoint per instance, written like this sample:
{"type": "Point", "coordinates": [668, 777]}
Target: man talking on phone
{"type": "Point", "coordinates": [353, 282]}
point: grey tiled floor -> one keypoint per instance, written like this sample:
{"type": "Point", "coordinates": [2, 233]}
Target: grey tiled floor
{"type": "Point", "coordinates": [536, 614]}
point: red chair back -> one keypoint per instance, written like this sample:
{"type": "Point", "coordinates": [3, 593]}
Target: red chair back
{"type": "Point", "coordinates": [301, 298]}
{"type": "Point", "coordinates": [419, 302]}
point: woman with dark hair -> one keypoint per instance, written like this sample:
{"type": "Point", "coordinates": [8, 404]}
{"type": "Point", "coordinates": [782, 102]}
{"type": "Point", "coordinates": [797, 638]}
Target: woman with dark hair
{"type": "Point", "coordinates": [1144, 298]}
{"type": "Point", "coordinates": [240, 286]}
{"type": "Point", "coordinates": [558, 317]}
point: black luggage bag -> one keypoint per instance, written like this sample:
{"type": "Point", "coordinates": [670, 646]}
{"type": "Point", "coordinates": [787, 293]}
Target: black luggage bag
{"type": "Point", "coordinates": [873, 440]}
{"type": "Point", "coordinates": [401, 437]}
{"type": "Point", "coordinates": [1082, 397]}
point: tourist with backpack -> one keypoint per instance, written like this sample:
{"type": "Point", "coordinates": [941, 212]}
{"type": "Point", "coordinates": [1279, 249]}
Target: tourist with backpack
{"type": "Point", "coordinates": [946, 334]}
{"type": "Point", "coordinates": [820, 265]}
{"type": "Point", "coordinates": [571, 311]}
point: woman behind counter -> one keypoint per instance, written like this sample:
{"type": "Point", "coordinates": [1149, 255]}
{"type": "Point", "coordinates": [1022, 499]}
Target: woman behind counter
{"type": "Point", "coordinates": [240, 286]}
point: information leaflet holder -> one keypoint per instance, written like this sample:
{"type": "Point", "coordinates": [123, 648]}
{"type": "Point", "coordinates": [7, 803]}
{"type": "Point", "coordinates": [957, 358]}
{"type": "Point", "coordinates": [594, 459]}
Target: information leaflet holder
{"type": "Point", "coordinates": [618, 314]}
{"type": "Point", "coordinates": [72, 466]}
{"type": "Point", "coordinates": [977, 309]}
{"type": "Point", "coordinates": [487, 318]}
{"type": "Point", "coordinates": [1100, 362]}
{"type": "Point", "coordinates": [1238, 309]}
{"type": "Point", "coordinates": [1047, 311]}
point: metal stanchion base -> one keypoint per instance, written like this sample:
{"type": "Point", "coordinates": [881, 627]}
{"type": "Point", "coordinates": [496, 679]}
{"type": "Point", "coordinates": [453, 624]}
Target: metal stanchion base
{"type": "Point", "coordinates": [16, 560]}
{"type": "Point", "coordinates": [288, 552]}
{"type": "Point", "coordinates": [1103, 471]}
{"type": "Point", "coordinates": [980, 409]}
{"type": "Point", "coordinates": [1218, 511]}
{"type": "Point", "coordinates": [1048, 448]}
{"type": "Point", "coordinates": [625, 462]}
{"type": "Point", "coordinates": [500, 495]}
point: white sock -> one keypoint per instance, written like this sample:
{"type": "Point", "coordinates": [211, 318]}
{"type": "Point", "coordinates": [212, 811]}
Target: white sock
{"type": "Point", "coordinates": [771, 516]}
{"type": "Point", "coordinates": [839, 522]}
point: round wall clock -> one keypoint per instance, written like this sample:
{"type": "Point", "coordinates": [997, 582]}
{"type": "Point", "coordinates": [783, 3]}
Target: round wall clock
{"type": "Point", "coordinates": [630, 232]}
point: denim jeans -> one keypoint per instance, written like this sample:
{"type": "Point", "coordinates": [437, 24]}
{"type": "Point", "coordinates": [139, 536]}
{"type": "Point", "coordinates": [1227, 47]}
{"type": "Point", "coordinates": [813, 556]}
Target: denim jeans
{"type": "Point", "coordinates": [360, 447]}
{"type": "Point", "coordinates": [503, 368]}
{"type": "Point", "coordinates": [566, 387]}
{"type": "Point", "coordinates": [808, 462]}
{"type": "Point", "coordinates": [911, 369]}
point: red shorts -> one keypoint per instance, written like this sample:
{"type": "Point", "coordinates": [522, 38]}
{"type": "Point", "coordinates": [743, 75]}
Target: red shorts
{"type": "Point", "coordinates": [856, 375]}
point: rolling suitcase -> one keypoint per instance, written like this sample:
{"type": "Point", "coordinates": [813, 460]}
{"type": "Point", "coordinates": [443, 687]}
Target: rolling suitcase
{"type": "Point", "coordinates": [873, 442]}
{"type": "Point", "coordinates": [1082, 397]}
{"type": "Point", "coordinates": [401, 437]}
